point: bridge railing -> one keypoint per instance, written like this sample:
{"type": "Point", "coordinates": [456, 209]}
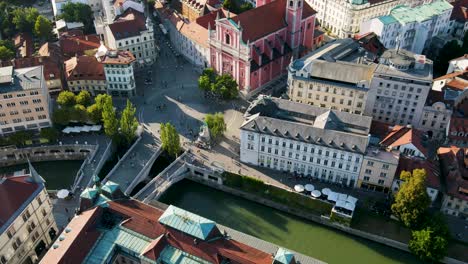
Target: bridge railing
{"type": "Point", "coordinates": [144, 171]}
{"type": "Point", "coordinates": [120, 160]}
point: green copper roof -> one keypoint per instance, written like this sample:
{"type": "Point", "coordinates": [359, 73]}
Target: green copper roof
{"type": "Point", "coordinates": [172, 255]}
{"type": "Point", "coordinates": [283, 256]}
{"type": "Point", "coordinates": [187, 222]}
{"type": "Point", "coordinates": [110, 187]}
{"type": "Point", "coordinates": [89, 193]}
{"type": "Point", "coordinates": [124, 238]}
{"type": "Point", "coordinates": [102, 201]}
{"type": "Point", "coordinates": [405, 14]}
{"type": "Point", "coordinates": [387, 20]}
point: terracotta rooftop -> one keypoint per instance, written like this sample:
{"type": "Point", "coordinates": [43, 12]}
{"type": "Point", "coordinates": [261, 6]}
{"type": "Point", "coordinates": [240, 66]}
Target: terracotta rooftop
{"type": "Point", "coordinates": [274, 16]}
{"type": "Point", "coordinates": [117, 57]}
{"type": "Point", "coordinates": [458, 125]}
{"type": "Point", "coordinates": [209, 19]}
{"type": "Point", "coordinates": [16, 192]}
{"type": "Point", "coordinates": [72, 45]}
{"type": "Point", "coordinates": [432, 169]}
{"type": "Point", "coordinates": [459, 11]}
{"type": "Point", "coordinates": [84, 68]}
{"type": "Point", "coordinates": [455, 170]}
{"type": "Point", "coordinates": [143, 219]}
{"type": "Point", "coordinates": [380, 129]}
{"type": "Point", "coordinates": [23, 44]}
{"type": "Point", "coordinates": [51, 68]}
{"type": "Point", "coordinates": [402, 135]}
{"type": "Point", "coordinates": [128, 24]}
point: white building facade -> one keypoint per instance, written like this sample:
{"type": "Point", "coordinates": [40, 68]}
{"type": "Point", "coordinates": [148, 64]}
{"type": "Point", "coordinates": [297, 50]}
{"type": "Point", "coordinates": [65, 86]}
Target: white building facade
{"type": "Point", "coordinates": [409, 28]}
{"type": "Point", "coordinates": [399, 88]}
{"type": "Point", "coordinates": [344, 17]}
{"type": "Point", "coordinates": [326, 150]}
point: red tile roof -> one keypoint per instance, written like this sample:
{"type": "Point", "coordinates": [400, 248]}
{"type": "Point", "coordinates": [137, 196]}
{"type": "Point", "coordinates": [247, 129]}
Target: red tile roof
{"type": "Point", "coordinates": [51, 68]}
{"type": "Point", "coordinates": [23, 44]}
{"type": "Point", "coordinates": [15, 191]}
{"type": "Point", "coordinates": [117, 57]}
{"type": "Point", "coordinates": [143, 219]}
{"type": "Point", "coordinates": [84, 68]}
{"type": "Point", "coordinates": [72, 45]}
{"type": "Point", "coordinates": [458, 125]}
{"type": "Point", "coordinates": [273, 16]}
{"type": "Point", "coordinates": [209, 19]}
{"type": "Point", "coordinates": [454, 167]}
{"type": "Point", "coordinates": [452, 75]}
{"type": "Point", "coordinates": [432, 169]}
{"type": "Point", "coordinates": [128, 24]}
{"type": "Point", "coordinates": [460, 12]}
{"type": "Point", "coordinates": [380, 129]}
{"type": "Point", "coordinates": [402, 135]}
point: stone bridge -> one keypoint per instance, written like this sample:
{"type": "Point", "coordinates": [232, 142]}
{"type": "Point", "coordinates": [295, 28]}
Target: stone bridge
{"type": "Point", "coordinates": [183, 166]}
{"type": "Point", "coordinates": [136, 164]}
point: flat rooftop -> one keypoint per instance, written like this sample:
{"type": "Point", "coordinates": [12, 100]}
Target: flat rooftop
{"type": "Point", "coordinates": [22, 79]}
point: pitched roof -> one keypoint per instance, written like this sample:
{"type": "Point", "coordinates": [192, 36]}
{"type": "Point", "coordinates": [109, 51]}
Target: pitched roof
{"type": "Point", "coordinates": [460, 11]}
{"type": "Point", "coordinates": [432, 169]}
{"type": "Point", "coordinates": [458, 125]}
{"type": "Point", "coordinates": [128, 24]}
{"type": "Point", "coordinates": [273, 16]}
{"type": "Point", "coordinates": [84, 68]}
{"type": "Point", "coordinates": [455, 169]}
{"type": "Point", "coordinates": [51, 66]}
{"type": "Point", "coordinates": [16, 192]}
{"type": "Point", "coordinates": [72, 45]}
{"type": "Point", "coordinates": [402, 135]}
{"type": "Point", "coordinates": [209, 19]}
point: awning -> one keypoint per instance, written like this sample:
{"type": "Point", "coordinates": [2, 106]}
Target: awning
{"type": "Point", "coordinates": [309, 187]}
{"type": "Point", "coordinates": [299, 188]}
{"type": "Point", "coordinates": [333, 196]}
{"type": "Point", "coordinates": [351, 199]}
{"type": "Point", "coordinates": [316, 194]}
{"type": "Point", "coordinates": [326, 191]}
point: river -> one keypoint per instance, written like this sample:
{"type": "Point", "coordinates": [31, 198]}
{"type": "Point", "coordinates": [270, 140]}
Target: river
{"type": "Point", "coordinates": [57, 174]}
{"type": "Point", "coordinates": [283, 229]}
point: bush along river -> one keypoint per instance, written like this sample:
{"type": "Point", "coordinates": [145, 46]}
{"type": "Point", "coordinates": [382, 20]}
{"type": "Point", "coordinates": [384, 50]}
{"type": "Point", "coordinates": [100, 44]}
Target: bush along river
{"type": "Point", "coordinates": [281, 228]}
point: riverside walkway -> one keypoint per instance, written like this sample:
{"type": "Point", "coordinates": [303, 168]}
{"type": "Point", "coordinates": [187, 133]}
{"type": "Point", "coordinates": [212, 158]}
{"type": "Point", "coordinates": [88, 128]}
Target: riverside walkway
{"type": "Point", "coordinates": [135, 165]}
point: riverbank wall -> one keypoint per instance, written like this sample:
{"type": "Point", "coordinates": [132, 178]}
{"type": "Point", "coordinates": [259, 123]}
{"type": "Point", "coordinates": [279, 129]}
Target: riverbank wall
{"type": "Point", "coordinates": [317, 219]}
{"type": "Point", "coordinates": [13, 156]}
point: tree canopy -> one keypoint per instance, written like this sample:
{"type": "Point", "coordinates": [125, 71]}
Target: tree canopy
{"type": "Point", "coordinates": [170, 139]}
{"type": "Point", "coordinates": [412, 200]}
{"type": "Point", "coordinates": [128, 123]}
{"type": "Point", "coordinates": [43, 27]}
{"type": "Point", "coordinates": [66, 99]}
{"type": "Point", "coordinates": [49, 133]}
{"type": "Point", "coordinates": [6, 53]}
{"type": "Point", "coordinates": [223, 86]}
{"type": "Point", "coordinates": [428, 245]}
{"type": "Point", "coordinates": [84, 98]}
{"type": "Point", "coordinates": [109, 118]}
{"type": "Point", "coordinates": [215, 123]}
{"type": "Point", "coordinates": [24, 19]}
{"type": "Point", "coordinates": [78, 12]}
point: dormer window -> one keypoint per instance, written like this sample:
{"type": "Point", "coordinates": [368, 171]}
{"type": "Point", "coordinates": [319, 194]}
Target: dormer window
{"type": "Point", "coordinates": [228, 39]}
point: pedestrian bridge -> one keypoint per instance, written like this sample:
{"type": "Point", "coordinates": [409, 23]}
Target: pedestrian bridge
{"type": "Point", "coordinates": [136, 164]}
{"type": "Point", "coordinates": [182, 167]}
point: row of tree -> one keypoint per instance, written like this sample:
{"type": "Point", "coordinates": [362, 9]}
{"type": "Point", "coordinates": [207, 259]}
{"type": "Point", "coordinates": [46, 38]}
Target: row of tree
{"type": "Point", "coordinates": [81, 108]}
{"type": "Point", "coordinates": [223, 86]}
{"type": "Point", "coordinates": [430, 235]}
{"type": "Point", "coordinates": [19, 138]}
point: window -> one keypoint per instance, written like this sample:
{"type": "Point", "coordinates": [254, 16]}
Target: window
{"type": "Point", "coordinates": [381, 182]}
{"type": "Point", "coordinates": [17, 243]}
{"type": "Point", "coordinates": [383, 174]}
{"type": "Point", "coordinates": [385, 166]}
{"type": "Point", "coordinates": [368, 171]}
{"type": "Point", "coordinates": [11, 232]}
{"type": "Point", "coordinates": [370, 163]}
{"type": "Point", "coordinates": [3, 260]}
{"type": "Point", "coordinates": [228, 39]}
{"type": "Point", "coordinates": [26, 215]}
{"type": "Point", "coordinates": [366, 178]}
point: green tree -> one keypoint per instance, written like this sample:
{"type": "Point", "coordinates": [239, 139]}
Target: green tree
{"type": "Point", "coordinates": [94, 113]}
{"type": "Point", "coordinates": [225, 86]}
{"type": "Point", "coordinates": [412, 200]}
{"type": "Point", "coordinates": [20, 137]}
{"type": "Point", "coordinates": [109, 118]}
{"type": "Point", "coordinates": [215, 123]}
{"type": "Point", "coordinates": [78, 113]}
{"type": "Point", "coordinates": [204, 83]}
{"type": "Point", "coordinates": [43, 28]}
{"type": "Point", "coordinates": [84, 98]}
{"type": "Point", "coordinates": [227, 4]}
{"type": "Point", "coordinates": [78, 12]}
{"type": "Point", "coordinates": [428, 245]}
{"type": "Point", "coordinates": [6, 53]}
{"type": "Point", "coordinates": [128, 123]}
{"type": "Point", "coordinates": [24, 19]}
{"type": "Point", "coordinates": [61, 116]}
{"type": "Point", "coordinates": [66, 99]}
{"type": "Point", "coordinates": [101, 99]}
{"type": "Point", "coordinates": [170, 139]}
{"type": "Point", "coordinates": [50, 134]}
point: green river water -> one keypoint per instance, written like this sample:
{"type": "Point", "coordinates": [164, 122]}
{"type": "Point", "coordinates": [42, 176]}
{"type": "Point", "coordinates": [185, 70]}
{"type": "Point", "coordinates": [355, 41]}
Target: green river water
{"type": "Point", "coordinates": [280, 228]}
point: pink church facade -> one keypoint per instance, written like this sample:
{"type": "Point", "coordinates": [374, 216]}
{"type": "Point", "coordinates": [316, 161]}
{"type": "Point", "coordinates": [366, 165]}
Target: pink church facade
{"type": "Point", "coordinates": [255, 47]}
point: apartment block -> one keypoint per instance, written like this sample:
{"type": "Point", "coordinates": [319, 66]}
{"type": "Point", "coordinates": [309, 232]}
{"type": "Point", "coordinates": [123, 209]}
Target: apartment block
{"type": "Point", "coordinates": [454, 163]}
{"type": "Point", "coordinates": [336, 85]}
{"type": "Point", "coordinates": [25, 103]}
{"type": "Point", "coordinates": [410, 28]}
{"type": "Point", "coordinates": [132, 31]}
{"type": "Point", "coordinates": [27, 226]}
{"type": "Point", "coordinates": [399, 88]}
{"type": "Point", "coordinates": [378, 169]}
{"type": "Point", "coordinates": [293, 137]}
{"type": "Point", "coordinates": [85, 73]}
